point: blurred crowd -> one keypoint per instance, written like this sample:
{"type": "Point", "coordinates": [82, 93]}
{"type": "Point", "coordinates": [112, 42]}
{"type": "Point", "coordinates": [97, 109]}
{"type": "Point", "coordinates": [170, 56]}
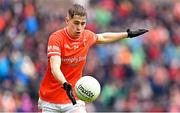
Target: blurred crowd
{"type": "Point", "coordinates": [141, 74]}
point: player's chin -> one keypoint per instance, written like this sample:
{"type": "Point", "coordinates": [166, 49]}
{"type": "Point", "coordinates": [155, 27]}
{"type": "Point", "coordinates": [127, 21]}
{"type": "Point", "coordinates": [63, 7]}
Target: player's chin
{"type": "Point", "coordinates": [78, 35]}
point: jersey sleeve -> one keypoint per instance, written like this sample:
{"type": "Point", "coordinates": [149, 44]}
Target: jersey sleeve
{"type": "Point", "coordinates": [54, 45]}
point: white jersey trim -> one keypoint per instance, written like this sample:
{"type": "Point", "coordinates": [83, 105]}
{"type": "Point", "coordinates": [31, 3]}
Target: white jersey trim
{"type": "Point", "coordinates": [54, 53]}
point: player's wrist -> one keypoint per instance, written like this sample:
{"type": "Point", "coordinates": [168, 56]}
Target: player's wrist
{"type": "Point", "coordinates": [129, 33]}
{"type": "Point", "coordinates": [63, 82]}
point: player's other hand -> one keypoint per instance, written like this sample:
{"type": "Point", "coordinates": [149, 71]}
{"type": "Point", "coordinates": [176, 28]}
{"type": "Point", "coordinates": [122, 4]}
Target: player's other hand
{"type": "Point", "coordinates": [69, 92]}
{"type": "Point", "coordinates": [135, 33]}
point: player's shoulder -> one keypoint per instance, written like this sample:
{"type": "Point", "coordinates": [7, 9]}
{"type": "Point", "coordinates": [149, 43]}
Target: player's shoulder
{"type": "Point", "coordinates": [57, 34]}
{"type": "Point", "coordinates": [86, 31]}
{"type": "Point", "coordinates": [91, 35]}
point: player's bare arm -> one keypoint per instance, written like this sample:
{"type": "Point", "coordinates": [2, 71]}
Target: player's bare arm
{"type": "Point", "coordinates": [112, 37]}
{"type": "Point", "coordinates": [55, 63]}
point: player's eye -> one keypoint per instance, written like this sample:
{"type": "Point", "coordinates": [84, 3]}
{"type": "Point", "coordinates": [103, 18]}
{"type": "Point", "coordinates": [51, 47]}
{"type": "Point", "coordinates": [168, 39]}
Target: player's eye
{"type": "Point", "coordinates": [76, 23]}
{"type": "Point", "coordinates": [83, 23]}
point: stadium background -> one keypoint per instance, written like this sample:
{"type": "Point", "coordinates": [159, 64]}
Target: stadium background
{"type": "Point", "coordinates": [140, 74]}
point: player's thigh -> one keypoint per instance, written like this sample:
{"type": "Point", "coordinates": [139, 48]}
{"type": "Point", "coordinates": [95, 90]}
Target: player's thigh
{"type": "Point", "coordinates": [78, 108]}
{"type": "Point", "coordinates": [47, 107]}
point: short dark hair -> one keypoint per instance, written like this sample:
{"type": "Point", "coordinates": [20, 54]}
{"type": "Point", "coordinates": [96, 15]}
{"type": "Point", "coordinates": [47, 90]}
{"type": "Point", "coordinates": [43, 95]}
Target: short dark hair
{"type": "Point", "coordinates": [77, 9]}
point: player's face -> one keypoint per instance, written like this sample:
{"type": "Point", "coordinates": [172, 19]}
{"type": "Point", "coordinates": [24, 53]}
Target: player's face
{"type": "Point", "coordinates": [76, 25]}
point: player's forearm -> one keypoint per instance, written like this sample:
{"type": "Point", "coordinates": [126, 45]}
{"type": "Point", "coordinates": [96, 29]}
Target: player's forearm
{"type": "Point", "coordinates": [55, 62]}
{"type": "Point", "coordinates": [111, 37]}
{"type": "Point", "coordinates": [57, 73]}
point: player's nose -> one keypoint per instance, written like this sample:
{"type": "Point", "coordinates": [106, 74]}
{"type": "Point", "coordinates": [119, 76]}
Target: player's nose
{"type": "Point", "coordinates": [79, 27]}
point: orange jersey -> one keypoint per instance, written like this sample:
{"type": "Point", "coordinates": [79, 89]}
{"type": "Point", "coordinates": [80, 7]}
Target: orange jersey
{"type": "Point", "coordinates": [73, 54]}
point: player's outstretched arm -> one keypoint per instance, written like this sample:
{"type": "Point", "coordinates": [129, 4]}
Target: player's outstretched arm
{"type": "Point", "coordinates": [112, 37]}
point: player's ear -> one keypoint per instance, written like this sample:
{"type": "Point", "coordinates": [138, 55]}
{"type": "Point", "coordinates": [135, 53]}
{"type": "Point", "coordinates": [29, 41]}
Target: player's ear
{"type": "Point", "coordinates": [67, 20]}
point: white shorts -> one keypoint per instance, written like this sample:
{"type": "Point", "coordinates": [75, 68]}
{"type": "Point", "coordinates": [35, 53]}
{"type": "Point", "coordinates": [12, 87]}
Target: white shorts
{"type": "Point", "coordinates": [45, 106]}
